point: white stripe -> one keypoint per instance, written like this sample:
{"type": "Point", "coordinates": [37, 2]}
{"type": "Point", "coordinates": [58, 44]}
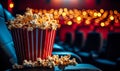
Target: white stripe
{"type": "Point", "coordinates": [41, 42]}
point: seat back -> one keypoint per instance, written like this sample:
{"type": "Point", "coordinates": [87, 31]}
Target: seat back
{"type": "Point", "coordinates": [93, 41]}
{"type": "Point", "coordinates": [104, 31]}
{"type": "Point", "coordinates": [1, 11]}
{"type": "Point", "coordinates": [5, 36]}
{"type": "Point", "coordinates": [68, 38]}
{"type": "Point", "coordinates": [79, 39]}
{"type": "Point", "coordinates": [113, 45]}
{"type": "Point", "coordinates": [7, 15]}
{"type": "Point", "coordinates": [8, 56]}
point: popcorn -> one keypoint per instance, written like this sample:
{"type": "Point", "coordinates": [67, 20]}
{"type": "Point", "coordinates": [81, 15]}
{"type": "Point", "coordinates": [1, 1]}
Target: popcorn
{"type": "Point", "coordinates": [16, 66]}
{"type": "Point", "coordinates": [30, 28]}
{"type": "Point", "coordinates": [50, 62]}
{"type": "Point", "coordinates": [73, 61]}
{"type": "Point", "coordinates": [34, 19]}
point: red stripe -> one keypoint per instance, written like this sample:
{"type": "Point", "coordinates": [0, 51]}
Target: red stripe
{"type": "Point", "coordinates": [18, 46]}
{"type": "Point", "coordinates": [50, 43]}
{"type": "Point", "coordinates": [40, 43]}
{"type": "Point", "coordinates": [47, 42]}
{"type": "Point", "coordinates": [43, 39]}
{"type": "Point", "coordinates": [26, 44]}
{"type": "Point", "coordinates": [49, 37]}
{"type": "Point", "coordinates": [44, 49]}
{"type": "Point", "coordinates": [30, 44]}
{"type": "Point", "coordinates": [21, 41]}
{"type": "Point", "coordinates": [36, 44]}
{"type": "Point", "coordinates": [34, 40]}
{"type": "Point", "coordinates": [53, 34]}
{"type": "Point", "coordinates": [32, 37]}
{"type": "Point", "coordinates": [16, 41]}
{"type": "Point", "coordinates": [44, 44]}
{"type": "Point", "coordinates": [51, 46]}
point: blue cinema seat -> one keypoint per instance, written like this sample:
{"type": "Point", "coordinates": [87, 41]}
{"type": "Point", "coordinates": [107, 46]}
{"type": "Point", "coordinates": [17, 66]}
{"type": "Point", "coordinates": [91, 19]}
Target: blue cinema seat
{"type": "Point", "coordinates": [7, 52]}
{"type": "Point", "coordinates": [91, 47]}
{"type": "Point", "coordinates": [110, 58]}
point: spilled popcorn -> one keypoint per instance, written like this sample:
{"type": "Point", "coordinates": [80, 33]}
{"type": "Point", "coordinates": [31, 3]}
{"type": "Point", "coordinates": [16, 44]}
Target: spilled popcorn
{"type": "Point", "coordinates": [50, 62]}
{"type": "Point", "coordinates": [32, 19]}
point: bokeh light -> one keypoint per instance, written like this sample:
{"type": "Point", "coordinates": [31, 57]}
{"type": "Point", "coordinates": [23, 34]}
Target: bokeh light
{"type": "Point", "coordinates": [11, 5]}
{"type": "Point", "coordinates": [69, 23]}
{"type": "Point", "coordinates": [102, 24]}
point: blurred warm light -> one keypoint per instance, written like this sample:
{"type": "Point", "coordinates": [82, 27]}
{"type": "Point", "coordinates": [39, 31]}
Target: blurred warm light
{"type": "Point", "coordinates": [71, 12]}
{"type": "Point", "coordinates": [107, 23]}
{"type": "Point", "coordinates": [95, 14]}
{"type": "Point", "coordinates": [85, 17]}
{"type": "Point", "coordinates": [51, 11]}
{"type": "Point", "coordinates": [55, 12]}
{"type": "Point", "coordinates": [78, 18]}
{"type": "Point", "coordinates": [56, 17]}
{"type": "Point", "coordinates": [105, 14]}
{"type": "Point", "coordinates": [115, 12]}
{"type": "Point", "coordinates": [11, 5]}
{"type": "Point", "coordinates": [84, 13]}
{"type": "Point", "coordinates": [99, 14]}
{"type": "Point", "coordinates": [71, 16]}
{"type": "Point", "coordinates": [60, 11]}
{"type": "Point", "coordinates": [87, 22]}
{"type": "Point", "coordinates": [78, 22]}
{"type": "Point", "coordinates": [102, 24]}
{"type": "Point", "coordinates": [111, 12]}
{"type": "Point", "coordinates": [65, 9]}
{"type": "Point", "coordinates": [111, 18]}
{"type": "Point", "coordinates": [44, 11]}
{"type": "Point", "coordinates": [63, 14]}
{"type": "Point", "coordinates": [101, 10]}
{"type": "Point", "coordinates": [116, 21]}
{"type": "Point", "coordinates": [69, 23]}
{"type": "Point", "coordinates": [97, 21]}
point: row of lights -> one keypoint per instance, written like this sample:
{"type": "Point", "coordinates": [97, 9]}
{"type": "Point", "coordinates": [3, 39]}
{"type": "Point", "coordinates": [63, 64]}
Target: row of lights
{"type": "Point", "coordinates": [85, 17]}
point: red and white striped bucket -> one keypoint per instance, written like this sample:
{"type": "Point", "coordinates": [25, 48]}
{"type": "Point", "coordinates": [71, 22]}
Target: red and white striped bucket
{"type": "Point", "coordinates": [33, 44]}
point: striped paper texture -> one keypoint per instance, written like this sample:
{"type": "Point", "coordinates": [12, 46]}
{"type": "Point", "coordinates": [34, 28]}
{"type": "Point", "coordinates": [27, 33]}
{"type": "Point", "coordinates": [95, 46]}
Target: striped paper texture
{"type": "Point", "coordinates": [33, 44]}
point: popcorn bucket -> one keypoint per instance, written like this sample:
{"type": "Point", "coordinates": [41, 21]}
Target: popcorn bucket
{"type": "Point", "coordinates": [33, 44]}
